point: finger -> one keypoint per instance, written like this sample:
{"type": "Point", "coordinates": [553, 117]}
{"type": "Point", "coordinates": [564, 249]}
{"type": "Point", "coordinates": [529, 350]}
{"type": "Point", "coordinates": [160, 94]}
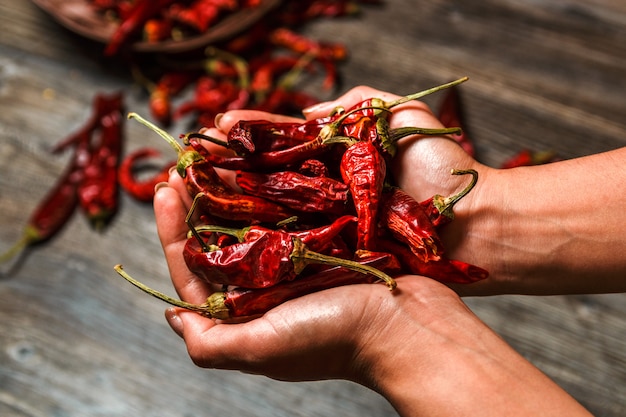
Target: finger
{"type": "Point", "coordinates": [170, 212]}
{"type": "Point", "coordinates": [228, 119]}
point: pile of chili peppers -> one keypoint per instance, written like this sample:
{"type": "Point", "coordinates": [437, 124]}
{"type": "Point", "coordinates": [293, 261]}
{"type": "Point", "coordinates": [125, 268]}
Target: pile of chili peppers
{"type": "Point", "coordinates": [313, 208]}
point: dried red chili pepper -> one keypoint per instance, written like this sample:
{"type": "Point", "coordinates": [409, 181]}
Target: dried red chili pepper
{"type": "Point", "coordinates": [405, 218]}
{"type": "Point", "coordinates": [263, 260]}
{"type": "Point", "coordinates": [363, 169]}
{"type": "Point", "coordinates": [439, 209]}
{"type": "Point", "coordinates": [56, 208]}
{"type": "Point", "coordinates": [527, 157]}
{"type": "Point", "coordinates": [451, 115]}
{"type": "Point", "coordinates": [296, 42]}
{"type": "Point", "coordinates": [297, 191]}
{"type": "Point", "coordinates": [142, 190]}
{"type": "Point", "coordinates": [98, 192]}
{"type": "Point", "coordinates": [213, 195]}
{"type": "Point", "coordinates": [245, 302]}
{"type": "Point", "coordinates": [442, 269]}
{"type": "Point", "coordinates": [140, 13]}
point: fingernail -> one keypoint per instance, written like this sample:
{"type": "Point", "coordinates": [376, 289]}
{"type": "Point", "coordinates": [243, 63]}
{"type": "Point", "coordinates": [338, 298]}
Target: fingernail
{"type": "Point", "coordinates": [172, 169]}
{"type": "Point", "coordinates": [313, 109]}
{"type": "Point", "coordinates": [174, 320]}
{"type": "Point", "coordinates": [217, 119]}
{"type": "Point", "coordinates": [160, 185]}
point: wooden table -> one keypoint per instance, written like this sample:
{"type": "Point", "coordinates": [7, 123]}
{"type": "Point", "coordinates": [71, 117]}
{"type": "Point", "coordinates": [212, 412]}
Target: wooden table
{"type": "Point", "coordinates": [75, 340]}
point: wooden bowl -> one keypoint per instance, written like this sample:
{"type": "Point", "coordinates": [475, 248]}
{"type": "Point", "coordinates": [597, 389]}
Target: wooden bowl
{"type": "Point", "coordinates": [80, 17]}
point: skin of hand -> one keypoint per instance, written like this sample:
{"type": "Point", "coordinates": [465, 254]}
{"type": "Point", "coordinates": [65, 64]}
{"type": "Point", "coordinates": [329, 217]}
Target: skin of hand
{"type": "Point", "coordinates": [419, 346]}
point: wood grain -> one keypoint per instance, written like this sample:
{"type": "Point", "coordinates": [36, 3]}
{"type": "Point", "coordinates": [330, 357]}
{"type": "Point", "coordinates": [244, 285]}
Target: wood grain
{"type": "Point", "coordinates": [76, 340]}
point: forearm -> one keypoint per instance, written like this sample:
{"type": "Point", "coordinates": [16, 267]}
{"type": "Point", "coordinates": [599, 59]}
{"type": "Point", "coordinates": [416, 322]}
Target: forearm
{"type": "Point", "coordinates": [552, 229]}
{"type": "Point", "coordinates": [453, 364]}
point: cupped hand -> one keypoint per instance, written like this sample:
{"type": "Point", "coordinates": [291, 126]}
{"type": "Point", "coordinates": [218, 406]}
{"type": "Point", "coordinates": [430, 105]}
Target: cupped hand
{"type": "Point", "coordinates": [337, 333]}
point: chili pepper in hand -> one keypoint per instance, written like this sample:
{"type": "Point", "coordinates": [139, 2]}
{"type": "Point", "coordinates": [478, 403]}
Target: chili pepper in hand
{"type": "Point", "coordinates": [246, 302]}
{"type": "Point", "coordinates": [439, 209]}
{"type": "Point", "coordinates": [408, 222]}
{"type": "Point", "coordinates": [142, 190]}
{"type": "Point", "coordinates": [363, 169]}
{"type": "Point", "coordinates": [442, 269]}
{"type": "Point", "coordinates": [267, 258]}
{"type": "Point", "coordinates": [451, 115]}
{"type": "Point", "coordinates": [212, 193]}
{"type": "Point", "coordinates": [297, 191]}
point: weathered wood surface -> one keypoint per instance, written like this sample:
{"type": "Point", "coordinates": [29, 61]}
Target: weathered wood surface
{"type": "Point", "coordinates": [75, 340]}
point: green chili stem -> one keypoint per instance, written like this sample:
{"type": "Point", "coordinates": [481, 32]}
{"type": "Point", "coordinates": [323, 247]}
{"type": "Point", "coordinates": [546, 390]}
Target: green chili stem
{"type": "Point", "coordinates": [170, 300]}
{"type": "Point", "coordinates": [240, 65]}
{"type": "Point", "coordinates": [401, 132]}
{"type": "Point", "coordinates": [448, 202]}
{"type": "Point", "coordinates": [202, 136]}
{"type": "Point", "coordinates": [238, 233]}
{"type": "Point", "coordinates": [302, 256]}
{"type": "Point", "coordinates": [169, 138]}
{"type": "Point", "coordinates": [423, 93]}
{"type": "Point", "coordinates": [330, 129]}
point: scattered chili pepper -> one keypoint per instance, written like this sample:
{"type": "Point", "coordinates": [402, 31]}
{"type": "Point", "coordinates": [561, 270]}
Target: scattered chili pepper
{"type": "Point", "coordinates": [98, 192]}
{"type": "Point", "coordinates": [526, 157]}
{"type": "Point", "coordinates": [56, 208]}
{"type": "Point", "coordinates": [142, 190]}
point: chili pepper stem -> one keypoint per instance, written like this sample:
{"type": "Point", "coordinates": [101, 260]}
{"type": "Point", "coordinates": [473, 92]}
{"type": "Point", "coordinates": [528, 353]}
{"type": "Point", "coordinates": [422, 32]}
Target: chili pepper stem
{"type": "Point", "coordinates": [445, 204]}
{"type": "Point", "coordinates": [202, 136]}
{"type": "Point", "coordinates": [401, 132]}
{"type": "Point", "coordinates": [423, 93]}
{"type": "Point", "coordinates": [29, 237]}
{"type": "Point", "coordinates": [185, 157]}
{"type": "Point", "coordinates": [302, 256]}
{"type": "Point", "coordinates": [210, 309]}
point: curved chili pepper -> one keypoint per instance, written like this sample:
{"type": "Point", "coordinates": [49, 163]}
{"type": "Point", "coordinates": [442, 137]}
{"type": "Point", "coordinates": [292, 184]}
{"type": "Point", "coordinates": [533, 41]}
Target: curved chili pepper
{"type": "Point", "coordinates": [142, 190]}
{"type": "Point", "coordinates": [439, 209]}
{"type": "Point", "coordinates": [297, 191]}
{"type": "Point", "coordinates": [245, 302]}
{"type": "Point", "coordinates": [363, 169]}
{"type": "Point", "coordinates": [211, 192]}
{"type": "Point", "coordinates": [409, 223]}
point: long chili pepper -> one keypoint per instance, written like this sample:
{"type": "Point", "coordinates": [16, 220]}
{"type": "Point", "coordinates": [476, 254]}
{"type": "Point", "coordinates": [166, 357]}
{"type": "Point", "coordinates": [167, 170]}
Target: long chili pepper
{"type": "Point", "coordinates": [293, 41]}
{"type": "Point", "coordinates": [271, 256]}
{"type": "Point", "coordinates": [98, 192]}
{"type": "Point", "coordinates": [405, 218]}
{"type": "Point", "coordinates": [443, 269]}
{"type": "Point", "coordinates": [142, 190]}
{"type": "Point", "coordinates": [363, 169]}
{"type": "Point", "coordinates": [297, 191]}
{"type": "Point", "coordinates": [211, 192]}
{"type": "Point", "coordinates": [451, 115]}
{"type": "Point", "coordinates": [56, 208]}
{"type": "Point", "coordinates": [439, 209]}
{"type": "Point", "coordinates": [245, 302]}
